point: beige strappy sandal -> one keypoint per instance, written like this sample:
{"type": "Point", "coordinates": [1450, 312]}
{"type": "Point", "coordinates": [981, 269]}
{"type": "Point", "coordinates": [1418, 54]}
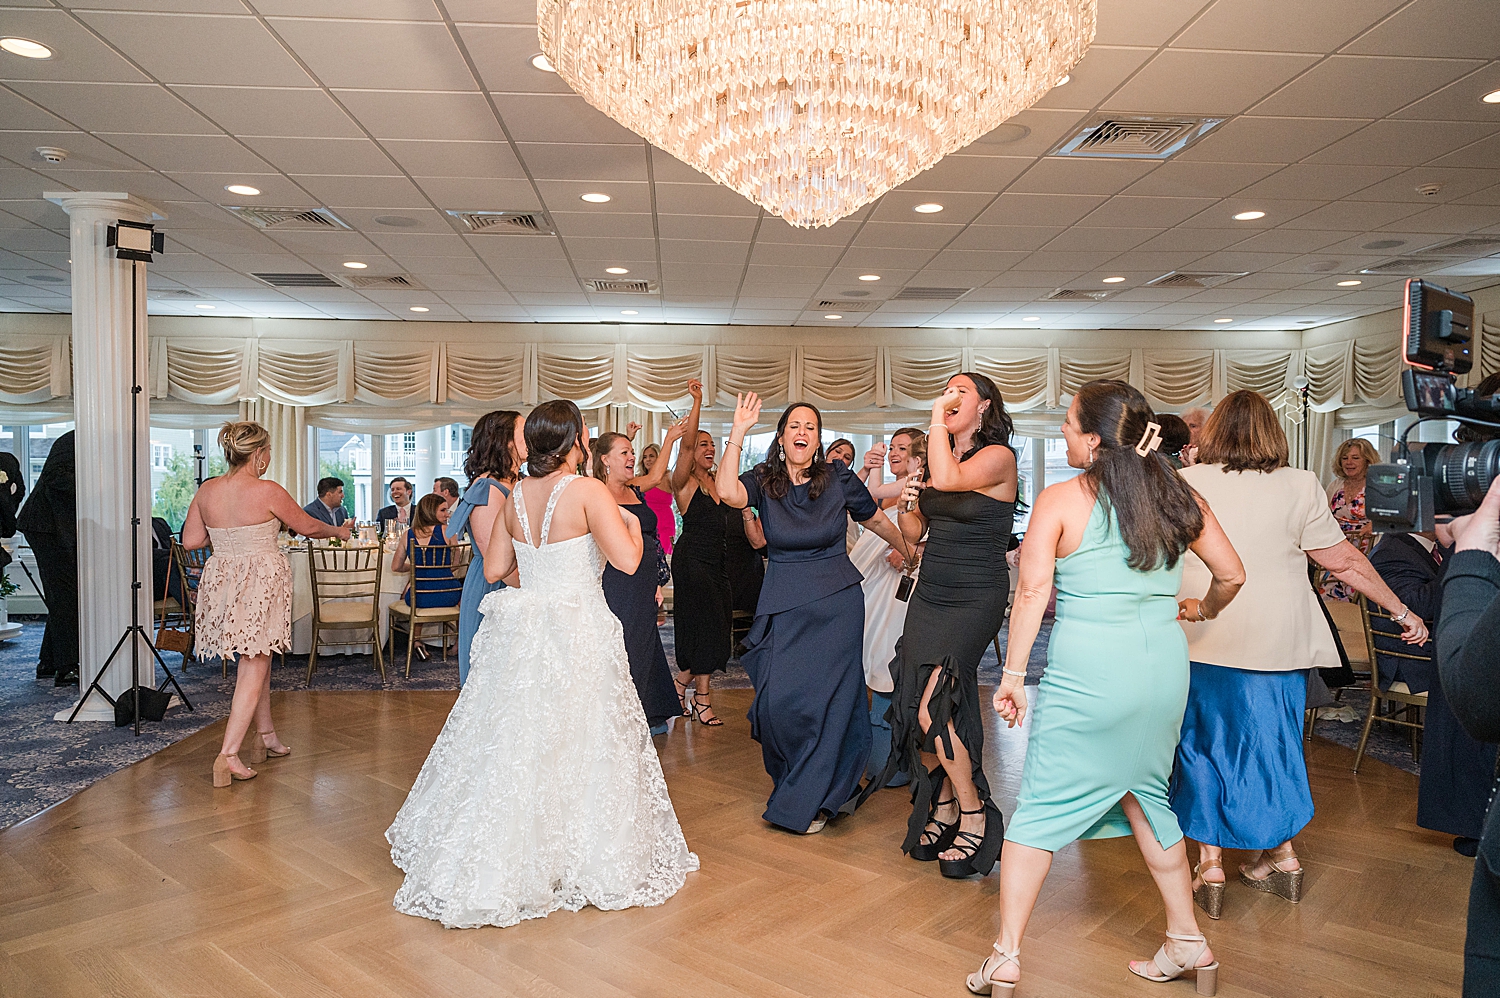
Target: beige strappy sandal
{"type": "Point", "coordinates": [980, 982]}
{"type": "Point", "coordinates": [1205, 978]}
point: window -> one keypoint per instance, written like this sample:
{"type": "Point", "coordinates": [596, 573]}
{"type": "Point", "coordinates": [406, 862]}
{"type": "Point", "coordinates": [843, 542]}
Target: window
{"type": "Point", "coordinates": [161, 454]}
{"type": "Point", "coordinates": [175, 473]}
{"type": "Point", "coordinates": [400, 454]}
{"type": "Point", "coordinates": [346, 456]}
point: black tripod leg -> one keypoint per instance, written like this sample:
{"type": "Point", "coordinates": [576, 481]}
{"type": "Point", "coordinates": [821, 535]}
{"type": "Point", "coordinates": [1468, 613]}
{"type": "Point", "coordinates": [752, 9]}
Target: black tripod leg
{"type": "Point", "coordinates": [95, 684]}
{"type": "Point", "coordinates": [32, 578]}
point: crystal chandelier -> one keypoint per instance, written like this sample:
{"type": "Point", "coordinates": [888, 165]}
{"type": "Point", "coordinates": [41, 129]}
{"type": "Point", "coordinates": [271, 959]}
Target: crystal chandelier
{"type": "Point", "coordinates": [813, 108]}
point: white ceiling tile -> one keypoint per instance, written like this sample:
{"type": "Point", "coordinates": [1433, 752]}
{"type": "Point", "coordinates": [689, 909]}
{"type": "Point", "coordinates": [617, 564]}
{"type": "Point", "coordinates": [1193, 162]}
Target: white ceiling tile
{"type": "Point", "coordinates": [1349, 86]}
{"type": "Point", "coordinates": [958, 172]}
{"type": "Point", "coordinates": [408, 115]}
{"type": "Point", "coordinates": [275, 190]}
{"type": "Point", "coordinates": [1058, 175]}
{"type": "Point", "coordinates": [1251, 139]}
{"type": "Point", "coordinates": [1005, 237]}
{"type": "Point", "coordinates": [390, 193]}
{"type": "Point", "coordinates": [379, 55]}
{"type": "Point", "coordinates": [1145, 212]}
{"type": "Point", "coordinates": [1033, 132]}
{"type": "Point", "coordinates": [576, 161]}
{"type": "Point", "coordinates": [521, 254]}
{"type": "Point", "coordinates": [615, 224]}
{"type": "Point", "coordinates": [404, 245]}
{"type": "Point", "coordinates": [1099, 239]}
{"type": "Point", "coordinates": [149, 186]}
{"type": "Point", "coordinates": [109, 107]}
{"type": "Point", "coordinates": [1193, 82]}
{"type": "Point", "coordinates": [1436, 28]}
{"type": "Point", "coordinates": [701, 199]}
{"type": "Point", "coordinates": [1206, 180]}
{"type": "Point", "coordinates": [1039, 209]}
{"type": "Point", "coordinates": [812, 257]}
{"type": "Point", "coordinates": [906, 235]}
{"type": "Point", "coordinates": [716, 227]}
{"type": "Point", "coordinates": [1457, 183]}
{"type": "Point", "coordinates": [601, 248]}
{"type": "Point", "coordinates": [1460, 100]}
{"type": "Point", "coordinates": [281, 111]}
{"type": "Point", "coordinates": [503, 53]}
{"type": "Point", "coordinates": [475, 194]}
{"type": "Point", "coordinates": [1144, 22]}
{"type": "Point", "coordinates": [1455, 218]}
{"type": "Point", "coordinates": [193, 48]}
{"type": "Point", "coordinates": [1282, 25]}
{"type": "Point", "coordinates": [190, 153]}
{"type": "Point", "coordinates": [385, 10]}
{"type": "Point", "coordinates": [1277, 211]}
{"type": "Point", "coordinates": [1095, 77]}
{"type": "Point", "coordinates": [76, 53]}
{"type": "Point", "coordinates": [84, 151]}
{"type": "Point", "coordinates": [344, 245]}
{"type": "Point", "coordinates": [990, 262]}
{"type": "Point", "coordinates": [328, 156]}
{"type": "Point", "coordinates": [1347, 216]}
{"type": "Point", "coordinates": [1402, 143]}
{"type": "Point", "coordinates": [559, 118]}
{"type": "Point", "coordinates": [566, 195]}
{"type": "Point", "coordinates": [1308, 181]}
{"type": "Point", "coordinates": [704, 251]}
{"type": "Point", "coordinates": [1485, 153]}
{"type": "Point", "coordinates": [899, 207]}
{"type": "Point", "coordinates": [1073, 261]}
{"type": "Point", "coordinates": [1289, 240]}
{"type": "Point", "coordinates": [482, 160]}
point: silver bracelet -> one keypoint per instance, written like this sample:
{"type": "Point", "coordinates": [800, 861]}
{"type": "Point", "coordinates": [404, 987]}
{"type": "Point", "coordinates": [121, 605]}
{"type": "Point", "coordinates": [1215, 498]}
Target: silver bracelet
{"type": "Point", "coordinates": [1404, 614]}
{"type": "Point", "coordinates": [1012, 672]}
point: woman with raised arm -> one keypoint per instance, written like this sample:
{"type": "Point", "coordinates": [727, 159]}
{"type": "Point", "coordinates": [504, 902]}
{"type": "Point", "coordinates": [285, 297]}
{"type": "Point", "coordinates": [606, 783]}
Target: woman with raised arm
{"type": "Point", "coordinates": [803, 652]}
{"type": "Point", "coordinates": [493, 464]}
{"type": "Point", "coordinates": [965, 511]}
{"type": "Point", "coordinates": [543, 790]}
{"type": "Point", "coordinates": [1113, 541]}
{"type": "Point", "coordinates": [702, 604]}
{"type": "Point", "coordinates": [633, 597]}
{"type": "Point", "coordinates": [245, 595]}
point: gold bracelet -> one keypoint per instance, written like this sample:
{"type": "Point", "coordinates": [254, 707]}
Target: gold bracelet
{"type": "Point", "coordinates": [733, 443]}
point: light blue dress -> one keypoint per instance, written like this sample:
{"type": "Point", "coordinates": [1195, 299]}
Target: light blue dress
{"type": "Point", "coordinates": [475, 586]}
{"type": "Point", "coordinates": [1111, 701]}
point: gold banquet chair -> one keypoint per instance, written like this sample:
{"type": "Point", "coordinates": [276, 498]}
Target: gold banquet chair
{"type": "Point", "coordinates": [346, 595]}
{"type": "Point", "coordinates": [1399, 697]}
{"type": "Point", "coordinates": [414, 622]}
{"type": "Point", "coordinates": [177, 629]}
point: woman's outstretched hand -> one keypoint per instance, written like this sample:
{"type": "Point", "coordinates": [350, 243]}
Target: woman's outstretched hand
{"type": "Point", "coordinates": [746, 412]}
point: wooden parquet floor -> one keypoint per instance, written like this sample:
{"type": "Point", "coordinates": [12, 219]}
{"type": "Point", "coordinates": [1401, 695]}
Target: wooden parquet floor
{"type": "Point", "coordinates": [152, 883]}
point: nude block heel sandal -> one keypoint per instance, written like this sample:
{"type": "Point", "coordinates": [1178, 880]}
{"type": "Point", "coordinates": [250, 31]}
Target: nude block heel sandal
{"type": "Point", "coordinates": [1205, 978]}
{"type": "Point", "coordinates": [980, 983]}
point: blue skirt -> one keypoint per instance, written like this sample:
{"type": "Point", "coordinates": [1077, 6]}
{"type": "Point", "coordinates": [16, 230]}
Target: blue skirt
{"type": "Point", "coordinates": [1240, 778]}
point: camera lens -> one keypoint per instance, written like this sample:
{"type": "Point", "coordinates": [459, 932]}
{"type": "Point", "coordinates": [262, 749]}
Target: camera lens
{"type": "Point", "coordinates": [1463, 473]}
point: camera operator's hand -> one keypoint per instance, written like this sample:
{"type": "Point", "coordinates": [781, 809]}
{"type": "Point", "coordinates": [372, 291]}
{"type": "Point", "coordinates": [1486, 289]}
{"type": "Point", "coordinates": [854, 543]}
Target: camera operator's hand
{"type": "Point", "coordinates": [1480, 530]}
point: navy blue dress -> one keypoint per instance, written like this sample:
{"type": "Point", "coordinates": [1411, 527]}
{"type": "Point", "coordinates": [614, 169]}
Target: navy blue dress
{"type": "Point", "coordinates": [804, 653]}
{"type": "Point", "coordinates": [632, 598]}
{"type": "Point", "coordinates": [432, 572]}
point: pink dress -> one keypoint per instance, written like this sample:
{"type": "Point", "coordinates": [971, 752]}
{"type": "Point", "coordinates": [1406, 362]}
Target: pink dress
{"type": "Point", "coordinates": [662, 505]}
{"type": "Point", "coordinates": [1349, 510]}
{"type": "Point", "coordinates": [245, 594]}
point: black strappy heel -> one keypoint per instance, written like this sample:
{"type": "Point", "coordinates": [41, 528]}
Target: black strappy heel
{"type": "Point", "coordinates": [699, 708]}
{"type": "Point", "coordinates": [957, 869]}
{"type": "Point", "coordinates": [928, 851]}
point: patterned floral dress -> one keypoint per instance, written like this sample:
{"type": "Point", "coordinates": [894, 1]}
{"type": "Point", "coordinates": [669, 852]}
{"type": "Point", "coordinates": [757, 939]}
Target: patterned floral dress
{"type": "Point", "coordinates": [1349, 510]}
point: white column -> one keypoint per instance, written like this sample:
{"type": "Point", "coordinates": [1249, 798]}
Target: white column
{"type": "Point", "coordinates": [427, 463]}
{"type": "Point", "coordinates": [102, 301]}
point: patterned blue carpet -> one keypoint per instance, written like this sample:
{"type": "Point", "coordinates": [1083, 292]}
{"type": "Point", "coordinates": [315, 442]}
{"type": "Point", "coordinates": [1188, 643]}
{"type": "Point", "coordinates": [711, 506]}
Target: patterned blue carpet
{"type": "Point", "coordinates": [43, 761]}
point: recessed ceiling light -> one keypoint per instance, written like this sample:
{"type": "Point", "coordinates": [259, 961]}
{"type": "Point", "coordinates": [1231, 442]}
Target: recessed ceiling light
{"type": "Point", "coordinates": [1114, 280]}
{"type": "Point", "coordinates": [1493, 97]}
{"type": "Point", "coordinates": [869, 277]}
{"type": "Point", "coordinates": [540, 61]}
{"type": "Point", "coordinates": [1031, 318]}
{"type": "Point", "coordinates": [26, 48]}
{"type": "Point", "coordinates": [594, 198]}
{"type": "Point", "coordinates": [244, 189]}
{"type": "Point", "coordinates": [1249, 216]}
{"type": "Point", "coordinates": [616, 270]}
{"type": "Point", "coordinates": [355, 265]}
{"type": "Point", "coordinates": [420, 308]}
{"type": "Point", "coordinates": [931, 207]}
{"type": "Point", "coordinates": [1223, 320]}
{"type": "Point", "coordinates": [833, 315]}
{"type": "Point", "coordinates": [1350, 284]}
{"type": "Point", "coordinates": [1065, 79]}
{"type": "Point", "coordinates": [629, 311]}
{"type": "Point", "coordinates": [203, 306]}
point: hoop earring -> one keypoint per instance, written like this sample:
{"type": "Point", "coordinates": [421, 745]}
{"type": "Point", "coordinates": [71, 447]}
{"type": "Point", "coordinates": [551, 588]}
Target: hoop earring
{"type": "Point", "coordinates": [260, 467]}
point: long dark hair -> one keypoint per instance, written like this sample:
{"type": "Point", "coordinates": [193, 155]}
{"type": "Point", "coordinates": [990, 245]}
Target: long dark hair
{"type": "Point", "coordinates": [551, 431]}
{"type": "Point", "coordinates": [1157, 512]}
{"type": "Point", "coordinates": [775, 480]}
{"type": "Point", "coordinates": [995, 425]}
{"type": "Point", "coordinates": [491, 446]}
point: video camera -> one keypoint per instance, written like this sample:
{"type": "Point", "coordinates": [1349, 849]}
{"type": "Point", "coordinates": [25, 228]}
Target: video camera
{"type": "Point", "coordinates": [1407, 495]}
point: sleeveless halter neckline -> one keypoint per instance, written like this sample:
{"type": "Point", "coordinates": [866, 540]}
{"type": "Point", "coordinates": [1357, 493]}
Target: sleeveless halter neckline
{"type": "Point", "coordinates": [546, 516]}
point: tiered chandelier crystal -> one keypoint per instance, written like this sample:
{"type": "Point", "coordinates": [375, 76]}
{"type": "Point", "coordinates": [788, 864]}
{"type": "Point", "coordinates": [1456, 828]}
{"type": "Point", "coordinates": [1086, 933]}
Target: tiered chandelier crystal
{"type": "Point", "coordinates": [812, 108]}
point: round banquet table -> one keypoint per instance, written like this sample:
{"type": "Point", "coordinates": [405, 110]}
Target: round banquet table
{"type": "Point", "coordinates": [392, 585]}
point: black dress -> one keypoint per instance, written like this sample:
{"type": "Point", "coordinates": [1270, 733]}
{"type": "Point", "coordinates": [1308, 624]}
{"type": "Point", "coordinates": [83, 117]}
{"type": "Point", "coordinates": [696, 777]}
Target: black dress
{"type": "Point", "coordinates": [805, 652]}
{"type": "Point", "coordinates": [747, 569]}
{"type": "Point", "coordinates": [702, 612]}
{"type": "Point", "coordinates": [955, 612]}
{"type": "Point", "coordinates": [632, 598]}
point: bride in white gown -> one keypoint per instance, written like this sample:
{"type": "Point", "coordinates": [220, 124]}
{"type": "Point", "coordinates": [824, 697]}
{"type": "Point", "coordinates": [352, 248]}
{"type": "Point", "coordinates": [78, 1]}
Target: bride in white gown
{"type": "Point", "coordinates": [543, 790]}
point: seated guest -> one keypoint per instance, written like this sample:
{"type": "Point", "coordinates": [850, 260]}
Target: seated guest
{"type": "Point", "coordinates": [164, 581]}
{"type": "Point", "coordinates": [432, 570]}
{"type": "Point", "coordinates": [400, 509]}
{"type": "Point", "coordinates": [329, 506]}
{"type": "Point", "coordinates": [447, 488]}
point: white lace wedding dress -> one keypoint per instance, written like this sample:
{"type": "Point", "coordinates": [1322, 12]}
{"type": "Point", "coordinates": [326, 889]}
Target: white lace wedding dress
{"type": "Point", "coordinates": [543, 790]}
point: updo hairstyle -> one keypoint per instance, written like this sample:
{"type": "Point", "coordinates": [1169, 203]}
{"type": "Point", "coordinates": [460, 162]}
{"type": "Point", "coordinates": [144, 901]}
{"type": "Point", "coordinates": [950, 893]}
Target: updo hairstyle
{"type": "Point", "coordinates": [240, 441]}
{"type": "Point", "coordinates": [551, 431]}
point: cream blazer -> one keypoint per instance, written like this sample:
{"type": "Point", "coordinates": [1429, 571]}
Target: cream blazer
{"type": "Point", "coordinates": [1274, 624]}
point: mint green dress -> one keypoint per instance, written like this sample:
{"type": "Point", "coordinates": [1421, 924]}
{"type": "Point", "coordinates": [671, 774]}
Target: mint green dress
{"type": "Point", "coordinates": [1111, 702]}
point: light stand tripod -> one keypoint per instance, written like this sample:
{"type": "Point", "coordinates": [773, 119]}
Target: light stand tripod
{"type": "Point", "coordinates": [135, 242]}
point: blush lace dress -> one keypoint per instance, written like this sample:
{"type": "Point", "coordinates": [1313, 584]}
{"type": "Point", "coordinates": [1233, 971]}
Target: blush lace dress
{"type": "Point", "coordinates": [245, 594]}
{"type": "Point", "coordinates": [543, 790]}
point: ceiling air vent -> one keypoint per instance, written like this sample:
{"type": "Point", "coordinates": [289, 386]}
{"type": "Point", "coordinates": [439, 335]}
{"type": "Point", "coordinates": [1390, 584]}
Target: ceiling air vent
{"type": "Point", "coordinates": [1117, 136]}
{"type": "Point", "coordinates": [317, 219]}
{"type": "Point", "coordinates": [1073, 294]}
{"type": "Point", "coordinates": [515, 223]}
{"type": "Point", "coordinates": [840, 305]}
{"type": "Point", "coordinates": [395, 282]}
{"type": "Point", "coordinates": [297, 280]}
{"type": "Point", "coordinates": [1469, 246]}
{"type": "Point", "coordinates": [1195, 279]}
{"type": "Point", "coordinates": [174, 293]}
{"type": "Point", "coordinates": [1405, 266]}
{"type": "Point", "coordinates": [912, 293]}
{"type": "Point", "coordinates": [621, 287]}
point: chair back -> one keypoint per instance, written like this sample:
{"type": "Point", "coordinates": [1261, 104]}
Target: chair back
{"type": "Point", "coordinates": [349, 572]}
{"type": "Point", "coordinates": [188, 563]}
{"type": "Point", "coordinates": [1373, 612]}
{"type": "Point", "coordinates": [453, 556]}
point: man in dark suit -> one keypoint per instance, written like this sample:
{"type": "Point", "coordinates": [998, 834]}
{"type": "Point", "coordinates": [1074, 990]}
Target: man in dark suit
{"type": "Point", "coordinates": [400, 509]}
{"type": "Point", "coordinates": [12, 491]}
{"type": "Point", "coordinates": [329, 506]}
{"type": "Point", "coordinates": [50, 522]}
{"type": "Point", "coordinates": [1453, 793]}
{"type": "Point", "coordinates": [447, 488]}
